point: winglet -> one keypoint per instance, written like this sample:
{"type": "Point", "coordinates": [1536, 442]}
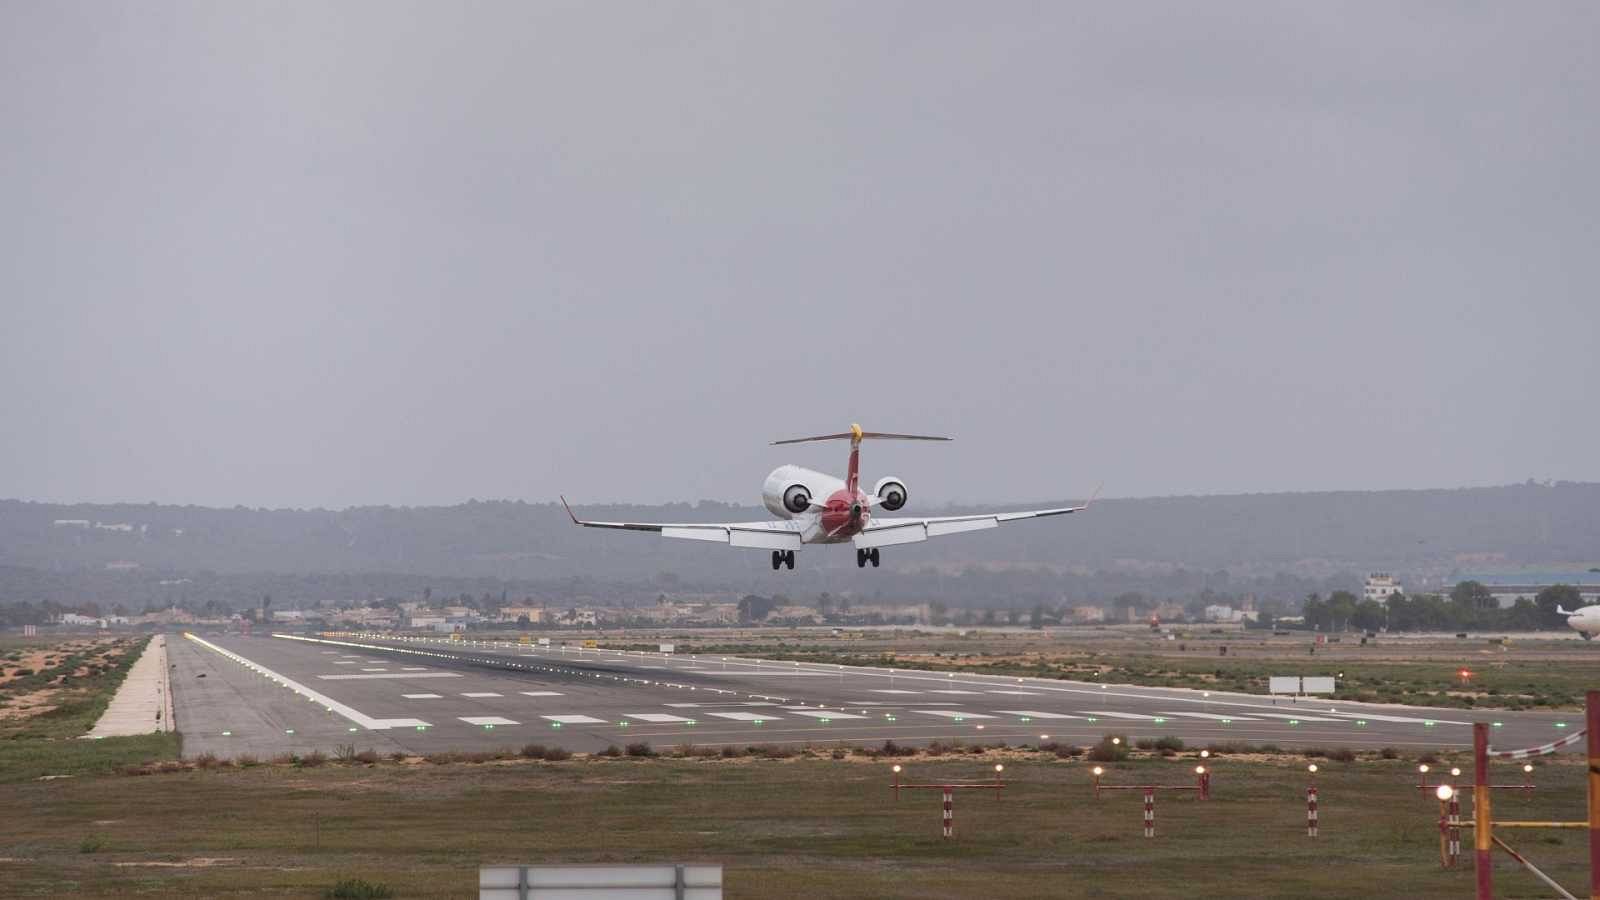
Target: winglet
{"type": "Point", "coordinates": [1564, 612]}
{"type": "Point", "coordinates": [569, 510]}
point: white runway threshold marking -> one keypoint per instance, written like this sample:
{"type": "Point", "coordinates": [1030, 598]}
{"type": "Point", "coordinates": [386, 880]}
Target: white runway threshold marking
{"type": "Point", "coordinates": [1018, 693]}
{"type": "Point", "coordinates": [826, 714]}
{"type": "Point", "coordinates": [744, 716]}
{"type": "Point", "coordinates": [422, 696]}
{"type": "Point", "coordinates": [657, 718]}
{"type": "Point", "coordinates": [1036, 714]}
{"type": "Point", "coordinates": [361, 719]}
{"type": "Point", "coordinates": [487, 720]}
{"type": "Point", "coordinates": [952, 692]}
{"type": "Point", "coordinates": [952, 714]}
{"type": "Point", "coordinates": [1118, 715]}
{"type": "Point", "coordinates": [575, 720]}
{"type": "Point", "coordinates": [482, 694]}
{"type": "Point", "coordinates": [1212, 716]}
{"type": "Point", "coordinates": [541, 693]}
{"type": "Point", "coordinates": [892, 691]}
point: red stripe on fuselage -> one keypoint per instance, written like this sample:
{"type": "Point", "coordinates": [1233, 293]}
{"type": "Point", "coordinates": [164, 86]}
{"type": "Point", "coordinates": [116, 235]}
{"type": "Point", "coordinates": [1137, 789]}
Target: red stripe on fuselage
{"type": "Point", "coordinates": [837, 520]}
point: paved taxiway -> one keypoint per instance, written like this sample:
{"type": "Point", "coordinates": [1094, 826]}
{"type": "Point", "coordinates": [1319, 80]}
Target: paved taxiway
{"type": "Point", "coordinates": [273, 694]}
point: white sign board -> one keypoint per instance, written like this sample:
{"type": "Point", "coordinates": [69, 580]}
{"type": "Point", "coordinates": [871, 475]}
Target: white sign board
{"type": "Point", "coordinates": [544, 642]}
{"type": "Point", "coordinates": [1316, 684]}
{"type": "Point", "coordinates": [667, 648]}
{"type": "Point", "coordinates": [1283, 684]}
{"type": "Point", "coordinates": [665, 882]}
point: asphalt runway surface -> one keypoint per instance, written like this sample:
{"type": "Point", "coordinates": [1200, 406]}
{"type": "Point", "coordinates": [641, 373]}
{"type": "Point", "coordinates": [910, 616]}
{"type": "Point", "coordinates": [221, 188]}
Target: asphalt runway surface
{"type": "Point", "coordinates": [269, 694]}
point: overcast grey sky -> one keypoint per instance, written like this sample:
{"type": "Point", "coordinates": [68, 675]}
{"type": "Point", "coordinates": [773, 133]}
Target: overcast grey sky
{"type": "Point", "coordinates": [308, 254]}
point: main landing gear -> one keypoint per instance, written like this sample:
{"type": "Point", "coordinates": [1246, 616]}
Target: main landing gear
{"type": "Point", "coordinates": [782, 558]}
{"type": "Point", "coordinates": [865, 556]}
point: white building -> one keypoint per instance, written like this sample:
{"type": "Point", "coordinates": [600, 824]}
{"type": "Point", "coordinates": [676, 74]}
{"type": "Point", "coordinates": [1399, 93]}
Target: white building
{"type": "Point", "coordinates": [1219, 613]}
{"type": "Point", "coordinates": [1379, 586]}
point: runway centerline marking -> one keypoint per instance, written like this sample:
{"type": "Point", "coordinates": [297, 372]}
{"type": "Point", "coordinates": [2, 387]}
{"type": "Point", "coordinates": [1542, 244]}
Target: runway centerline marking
{"type": "Point", "coordinates": [541, 693]}
{"type": "Point", "coordinates": [401, 675]}
{"type": "Point", "coordinates": [476, 694]}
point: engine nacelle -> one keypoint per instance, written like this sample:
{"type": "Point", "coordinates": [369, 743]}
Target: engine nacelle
{"type": "Point", "coordinates": [891, 493]}
{"type": "Point", "coordinates": [790, 490]}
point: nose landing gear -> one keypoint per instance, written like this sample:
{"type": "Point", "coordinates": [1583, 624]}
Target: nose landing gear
{"type": "Point", "coordinates": [865, 556]}
{"type": "Point", "coordinates": [782, 558]}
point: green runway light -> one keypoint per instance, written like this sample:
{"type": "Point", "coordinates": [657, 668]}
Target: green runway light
{"type": "Point", "coordinates": [227, 734]}
{"type": "Point", "coordinates": [1427, 723]}
{"type": "Point", "coordinates": [1561, 724]}
{"type": "Point", "coordinates": [1159, 719]}
{"type": "Point", "coordinates": [1361, 721]}
{"type": "Point", "coordinates": [288, 731]}
{"type": "Point", "coordinates": [419, 727]}
{"type": "Point", "coordinates": [1224, 721]}
{"type": "Point", "coordinates": [1028, 719]}
{"type": "Point", "coordinates": [352, 728]}
{"type": "Point", "coordinates": [555, 724]}
{"type": "Point", "coordinates": [1093, 719]}
{"type": "Point", "coordinates": [1499, 724]}
{"type": "Point", "coordinates": [826, 721]}
{"type": "Point", "coordinates": [1294, 721]}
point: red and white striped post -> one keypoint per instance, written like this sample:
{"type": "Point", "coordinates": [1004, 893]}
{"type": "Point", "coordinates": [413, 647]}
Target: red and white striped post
{"type": "Point", "coordinates": [1483, 819]}
{"type": "Point", "coordinates": [1202, 781]}
{"type": "Point", "coordinates": [1149, 812]}
{"type": "Point", "coordinates": [1311, 802]}
{"type": "Point", "coordinates": [1591, 717]}
{"type": "Point", "coordinates": [949, 813]}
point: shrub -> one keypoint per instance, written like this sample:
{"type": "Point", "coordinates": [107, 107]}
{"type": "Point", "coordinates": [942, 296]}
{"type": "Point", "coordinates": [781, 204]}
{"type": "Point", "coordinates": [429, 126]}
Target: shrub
{"type": "Point", "coordinates": [1169, 742]}
{"type": "Point", "coordinates": [91, 844]}
{"type": "Point", "coordinates": [557, 754]}
{"type": "Point", "coordinates": [1315, 753]}
{"type": "Point", "coordinates": [774, 751]}
{"type": "Point", "coordinates": [313, 759]}
{"type": "Point", "coordinates": [1431, 759]}
{"type": "Point", "coordinates": [641, 748]}
{"type": "Point", "coordinates": [368, 756]}
{"type": "Point", "coordinates": [345, 753]}
{"type": "Point", "coordinates": [206, 761]}
{"type": "Point", "coordinates": [1145, 743]}
{"type": "Point", "coordinates": [890, 748]}
{"type": "Point", "coordinates": [246, 761]}
{"type": "Point", "coordinates": [359, 889]}
{"type": "Point", "coordinates": [1342, 754]}
{"type": "Point", "coordinates": [610, 752]}
{"type": "Point", "coordinates": [284, 759]}
{"type": "Point", "coordinates": [731, 752]}
{"type": "Point", "coordinates": [1389, 753]}
{"type": "Point", "coordinates": [533, 751]}
{"type": "Point", "coordinates": [838, 754]}
{"type": "Point", "coordinates": [1067, 751]}
{"type": "Point", "coordinates": [1109, 750]}
{"type": "Point", "coordinates": [398, 756]}
{"type": "Point", "coordinates": [440, 759]}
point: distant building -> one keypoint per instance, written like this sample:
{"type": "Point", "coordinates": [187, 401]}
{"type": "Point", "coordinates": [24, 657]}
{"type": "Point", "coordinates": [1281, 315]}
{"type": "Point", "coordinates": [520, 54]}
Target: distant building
{"type": "Point", "coordinates": [288, 615]}
{"type": "Point", "coordinates": [424, 620]}
{"type": "Point", "coordinates": [513, 613]}
{"type": "Point", "coordinates": [1508, 589]}
{"type": "Point", "coordinates": [71, 523]}
{"type": "Point", "coordinates": [76, 619]}
{"type": "Point", "coordinates": [1219, 613]}
{"type": "Point", "coordinates": [1379, 587]}
{"type": "Point", "coordinates": [1088, 614]}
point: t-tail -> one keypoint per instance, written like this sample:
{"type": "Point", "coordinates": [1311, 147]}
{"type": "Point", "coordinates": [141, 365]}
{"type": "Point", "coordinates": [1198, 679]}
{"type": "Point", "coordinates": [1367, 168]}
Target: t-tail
{"type": "Point", "coordinates": [855, 435]}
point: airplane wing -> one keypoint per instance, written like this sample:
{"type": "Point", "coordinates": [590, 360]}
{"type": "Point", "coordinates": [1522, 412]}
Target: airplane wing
{"type": "Point", "coordinates": [883, 532]}
{"type": "Point", "coordinates": [777, 535]}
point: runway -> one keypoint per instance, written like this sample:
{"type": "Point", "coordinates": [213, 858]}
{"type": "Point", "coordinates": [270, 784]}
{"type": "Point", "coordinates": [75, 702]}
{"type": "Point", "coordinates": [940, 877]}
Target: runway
{"type": "Point", "coordinates": [287, 693]}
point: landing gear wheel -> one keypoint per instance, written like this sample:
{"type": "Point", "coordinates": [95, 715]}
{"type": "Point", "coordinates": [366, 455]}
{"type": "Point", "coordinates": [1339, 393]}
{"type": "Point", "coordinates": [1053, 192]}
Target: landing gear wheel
{"type": "Point", "coordinates": [788, 559]}
{"type": "Point", "coordinates": [777, 559]}
{"type": "Point", "coordinates": [861, 559]}
{"type": "Point", "coordinates": [873, 555]}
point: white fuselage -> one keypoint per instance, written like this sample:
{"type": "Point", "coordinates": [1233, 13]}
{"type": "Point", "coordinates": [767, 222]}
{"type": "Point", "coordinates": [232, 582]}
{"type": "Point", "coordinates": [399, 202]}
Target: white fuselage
{"type": "Point", "coordinates": [1586, 620]}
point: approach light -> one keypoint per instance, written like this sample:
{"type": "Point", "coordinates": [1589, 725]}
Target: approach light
{"type": "Point", "coordinates": [1445, 792]}
{"type": "Point", "coordinates": [1455, 772]}
{"type": "Point", "coordinates": [1527, 767]}
{"type": "Point", "coordinates": [999, 768]}
{"type": "Point", "coordinates": [1115, 741]}
{"type": "Point", "coordinates": [1312, 768]}
{"type": "Point", "coordinates": [1423, 768]}
{"type": "Point", "coordinates": [1199, 770]}
{"type": "Point", "coordinates": [1098, 771]}
{"type": "Point", "coordinates": [897, 767]}
{"type": "Point", "coordinates": [1205, 754]}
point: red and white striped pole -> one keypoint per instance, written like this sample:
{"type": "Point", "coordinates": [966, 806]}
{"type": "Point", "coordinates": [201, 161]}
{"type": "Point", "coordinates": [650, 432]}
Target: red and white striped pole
{"type": "Point", "coordinates": [949, 813]}
{"type": "Point", "coordinates": [1149, 812]}
{"type": "Point", "coordinates": [1203, 782]}
{"type": "Point", "coordinates": [1592, 723]}
{"type": "Point", "coordinates": [1483, 825]}
{"type": "Point", "coordinates": [1311, 803]}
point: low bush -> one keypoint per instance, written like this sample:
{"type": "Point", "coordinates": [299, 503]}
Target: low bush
{"type": "Point", "coordinates": [1111, 748]}
{"type": "Point", "coordinates": [246, 761]}
{"type": "Point", "coordinates": [206, 761]}
{"type": "Point", "coordinates": [359, 889]}
{"type": "Point", "coordinates": [313, 759]}
{"type": "Point", "coordinates": [368, 756]}
{"type": "Point", "coordinates": [91, 844]}
{"type": "Point", "coordinates": [1389, 753]}
{"type": "Point", "coordinates": [557, 754]}
{"type": "Point", "coordinates": [641, 749]}
{"type": "Point", "coordinates": [610, 752]}
{"type": "Point", "coordinates": [533, 751]}
{"type": "Point", "coordinates": [1169, 742]}
{"type": "Point", "coordinates": [731, 752]}
{"type": "Point", "coordinates": [1342, 754]}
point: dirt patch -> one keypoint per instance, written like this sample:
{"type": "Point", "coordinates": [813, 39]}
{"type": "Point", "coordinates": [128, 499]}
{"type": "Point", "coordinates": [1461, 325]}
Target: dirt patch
{"type": "Point", "coordinates": [29, 705]}
{"type": "Point", "coordinates": [198, 862]}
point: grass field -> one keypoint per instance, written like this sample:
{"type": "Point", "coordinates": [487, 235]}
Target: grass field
{"type": "Point", "coordinates": [67, 686]}
{"type": "Point", "coordinates": [1514, 673]}
{"type": "Point", "coordinates": [814, 827]}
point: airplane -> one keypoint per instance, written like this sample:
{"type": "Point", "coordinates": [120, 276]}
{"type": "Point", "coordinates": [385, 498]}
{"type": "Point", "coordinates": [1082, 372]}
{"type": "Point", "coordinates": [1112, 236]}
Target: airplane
{"type": "Point", "coordinates": [845, 513]}
{"type": "Point", "coordinates": [1585, 620]}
